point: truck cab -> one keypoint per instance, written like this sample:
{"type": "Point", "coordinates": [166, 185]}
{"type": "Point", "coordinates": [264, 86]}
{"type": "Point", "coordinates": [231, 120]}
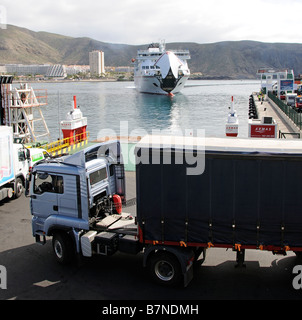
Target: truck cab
{"type": "Point", "coordinates": [74, 192]}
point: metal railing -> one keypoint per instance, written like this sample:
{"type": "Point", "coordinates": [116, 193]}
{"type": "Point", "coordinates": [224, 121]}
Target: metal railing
{"type": "Point", "coordinates": [295, 116]}
{"type": "Point", "coordinates": [66, 142]}
{"type": "Point", "coordinates": [282, 135]}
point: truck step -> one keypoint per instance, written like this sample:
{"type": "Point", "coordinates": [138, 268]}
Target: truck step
{"type": "Point", "coordinates": [38, 236]}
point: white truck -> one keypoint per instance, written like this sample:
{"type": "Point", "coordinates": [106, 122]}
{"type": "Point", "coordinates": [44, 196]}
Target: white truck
{"type": "Point", "coordinates": [14, 165]}
{"type": "Point", "coordinates": [37, 155]}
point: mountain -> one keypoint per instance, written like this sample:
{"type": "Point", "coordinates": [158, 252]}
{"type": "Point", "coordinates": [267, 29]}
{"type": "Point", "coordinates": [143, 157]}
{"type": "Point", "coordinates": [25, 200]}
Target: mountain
{"type": "Point", "coordinates": [231, 59]}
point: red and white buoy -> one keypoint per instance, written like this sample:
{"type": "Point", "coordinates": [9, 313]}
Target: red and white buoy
{"type": "Point", "coordinates": [231, 127]}
{"type": "Point", "coordinates": [74, 127]}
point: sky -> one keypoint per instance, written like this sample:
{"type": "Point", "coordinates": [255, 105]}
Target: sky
{"type": "Point", "coordinates": [145, 21]}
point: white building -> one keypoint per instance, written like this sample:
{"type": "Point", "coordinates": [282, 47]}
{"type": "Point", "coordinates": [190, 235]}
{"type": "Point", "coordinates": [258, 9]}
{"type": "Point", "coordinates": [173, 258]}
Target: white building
{"type": "Point", "coordinates": [56, 71]}
{"type": "Point", "coordinates": [96, 62]}
{"type": "Point", "coordinates": [26, 69]}
{"type": "Point", "coordinates": [75, 69]}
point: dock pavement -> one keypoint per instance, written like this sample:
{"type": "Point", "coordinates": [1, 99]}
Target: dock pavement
{"type": "Point", "coordinates": [267, 108]}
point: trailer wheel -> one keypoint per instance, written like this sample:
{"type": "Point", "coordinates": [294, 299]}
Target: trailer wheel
{"type": "Point", "coordinates": [18, 188]}
{"type": "Point", "coordinates": [165, 269]}
{"type": "Point", "coordinates": [62, 247]}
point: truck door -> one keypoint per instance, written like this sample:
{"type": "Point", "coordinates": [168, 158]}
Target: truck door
{"type": "Point", "coordinates": [68, 197]}
{"type": "Point", "coordinates": [44, 194]}
{"type": "Point", "coordinates": [21, 160]}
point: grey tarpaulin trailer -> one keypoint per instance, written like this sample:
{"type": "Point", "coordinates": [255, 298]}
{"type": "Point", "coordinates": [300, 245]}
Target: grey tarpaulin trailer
{"type": "Point", "coordinates": [249, 195]}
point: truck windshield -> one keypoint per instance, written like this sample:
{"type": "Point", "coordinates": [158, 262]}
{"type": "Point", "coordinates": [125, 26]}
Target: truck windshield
{"type": "Point", "coordinates": [97, 176]}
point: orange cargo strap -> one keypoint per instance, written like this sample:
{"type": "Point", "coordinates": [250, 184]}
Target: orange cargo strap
{"type": "Point", "coordinates": [237, 246]}
{"type": "Point", "coordinates": [210, 244]}
{"type": "Point", "coordinates": [183, 244]}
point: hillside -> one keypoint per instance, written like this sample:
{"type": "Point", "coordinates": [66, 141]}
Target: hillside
{"type": "Point", "coordinates": [233, 59]}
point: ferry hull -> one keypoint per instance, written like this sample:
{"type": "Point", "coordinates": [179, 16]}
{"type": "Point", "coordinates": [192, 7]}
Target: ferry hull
{"type": "Point", "coordinates": [159, 71]}
{"type": "Point", "coordinates": [151, 84]}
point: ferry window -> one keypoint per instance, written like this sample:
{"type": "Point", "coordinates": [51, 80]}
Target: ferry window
{"type": "Point", "coordinates": [98, 176]}
{"type": "Point", "coordinates": [48, 183]}
{"type": "Point", "coordinates": [147, 67]}
{"type": "Point", "coordinates": [152, 67]}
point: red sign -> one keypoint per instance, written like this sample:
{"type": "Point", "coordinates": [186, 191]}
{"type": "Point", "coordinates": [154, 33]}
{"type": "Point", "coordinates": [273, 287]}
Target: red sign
{"type": "Point", "coordinates": [231, 130]}
{"type": "Point", "coordinates": [262, 131]}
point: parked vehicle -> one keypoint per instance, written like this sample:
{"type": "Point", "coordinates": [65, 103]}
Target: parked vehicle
{"type": "Point", "coordinates": [299, 103]}
{"type": "Point", "coordinates": [37, 155]}
{"type": "Point", "coordinates": [192, 194]}
{"type": "Point", "coordinates": [14, 159]}
{"type": "Point", "coordinates": [282, 95]}
{"type": "Point", "coordinates": [291, 99]}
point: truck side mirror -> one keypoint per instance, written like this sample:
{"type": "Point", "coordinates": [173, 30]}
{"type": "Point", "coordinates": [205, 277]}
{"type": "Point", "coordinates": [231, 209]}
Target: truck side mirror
{"type": "Point", "coordinates": [27, 184]}
{"type": "Point", "coordinates": [27, 154]}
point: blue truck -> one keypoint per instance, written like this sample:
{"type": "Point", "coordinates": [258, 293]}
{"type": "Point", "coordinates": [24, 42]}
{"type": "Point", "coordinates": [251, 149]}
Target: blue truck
{"type": "Point", "coordinates": [192, 194]}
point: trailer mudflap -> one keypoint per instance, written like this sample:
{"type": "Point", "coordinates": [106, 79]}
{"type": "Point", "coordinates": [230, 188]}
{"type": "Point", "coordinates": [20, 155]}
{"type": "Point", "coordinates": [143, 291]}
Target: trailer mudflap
{"type": "Point", "coordinates": [188, 275]}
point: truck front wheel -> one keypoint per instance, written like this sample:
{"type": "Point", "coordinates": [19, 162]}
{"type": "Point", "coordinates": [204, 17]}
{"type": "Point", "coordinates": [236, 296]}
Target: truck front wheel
{"type": "Point", "coordinates": [62, 247]}
{"type": "Point", "coordinates": [165, 269]}
{"type": "Point", "coordinates": [18, 188]}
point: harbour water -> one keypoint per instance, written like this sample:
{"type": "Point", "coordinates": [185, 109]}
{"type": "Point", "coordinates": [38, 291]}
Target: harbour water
{"type": "Point", "coordinates": [201, 105]}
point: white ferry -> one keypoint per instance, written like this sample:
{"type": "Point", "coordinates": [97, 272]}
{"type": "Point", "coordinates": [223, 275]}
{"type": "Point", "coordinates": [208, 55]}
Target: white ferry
{"type": "Point", "coordinates": [159, 71]}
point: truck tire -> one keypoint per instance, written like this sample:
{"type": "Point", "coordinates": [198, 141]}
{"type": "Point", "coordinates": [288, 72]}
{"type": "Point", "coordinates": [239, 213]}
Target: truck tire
{"type": "Point", "coordinates": [18, 188]}
{"type": "Point", "coordinates": [165, 269]}
{"type": "Point", "coordinates": [62, 247]}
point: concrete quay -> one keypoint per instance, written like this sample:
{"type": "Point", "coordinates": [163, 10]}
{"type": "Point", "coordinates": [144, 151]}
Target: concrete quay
{"type": "Point", "coordinates": [267, 108]}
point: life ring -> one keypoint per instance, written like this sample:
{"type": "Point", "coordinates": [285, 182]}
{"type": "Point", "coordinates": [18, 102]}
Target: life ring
{"type": "Point", "coordinates": [117, 200]}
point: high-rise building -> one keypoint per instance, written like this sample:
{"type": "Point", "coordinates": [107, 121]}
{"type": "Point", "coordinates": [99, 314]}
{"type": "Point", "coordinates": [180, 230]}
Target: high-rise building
{"type": "Point", "coordinates": [96, 62]}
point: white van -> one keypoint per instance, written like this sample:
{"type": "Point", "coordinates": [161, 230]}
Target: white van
{"type": "Point", "coordinates": [291, 99]}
